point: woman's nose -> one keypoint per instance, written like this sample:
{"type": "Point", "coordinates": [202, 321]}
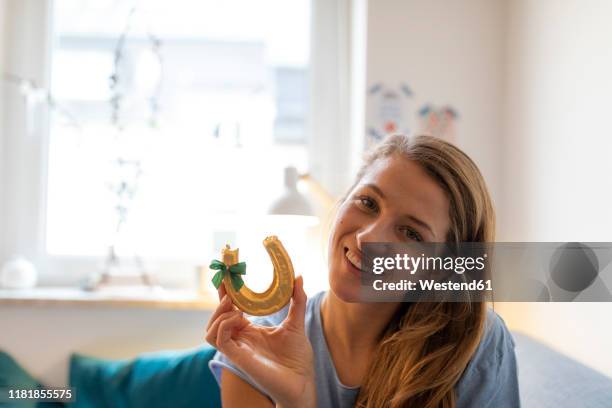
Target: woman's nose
{"type": "Point", "coordinates": [375, 232]}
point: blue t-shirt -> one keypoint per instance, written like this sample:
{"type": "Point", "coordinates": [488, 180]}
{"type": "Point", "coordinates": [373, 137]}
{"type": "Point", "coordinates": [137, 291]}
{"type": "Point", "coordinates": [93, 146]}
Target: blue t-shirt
{"type": "Point", "coordinates": [490, 379]}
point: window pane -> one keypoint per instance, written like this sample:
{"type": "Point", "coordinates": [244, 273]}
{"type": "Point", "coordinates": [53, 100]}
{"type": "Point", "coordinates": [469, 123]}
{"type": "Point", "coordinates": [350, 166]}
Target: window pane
{"type": "Point", "coordinates": [185, 145]}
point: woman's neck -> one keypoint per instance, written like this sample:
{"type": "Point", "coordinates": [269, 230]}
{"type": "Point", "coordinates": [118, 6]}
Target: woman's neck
{"type": "Point", "coordinates": [355, 326]}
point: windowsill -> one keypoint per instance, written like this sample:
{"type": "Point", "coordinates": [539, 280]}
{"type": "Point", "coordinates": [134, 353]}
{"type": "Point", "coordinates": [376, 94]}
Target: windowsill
{"type": "Point", "coordinates": [123, 297]}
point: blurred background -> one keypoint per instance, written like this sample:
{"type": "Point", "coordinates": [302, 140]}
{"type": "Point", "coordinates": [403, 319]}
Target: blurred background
{"type": "Point", "coordinates": [138, 138]}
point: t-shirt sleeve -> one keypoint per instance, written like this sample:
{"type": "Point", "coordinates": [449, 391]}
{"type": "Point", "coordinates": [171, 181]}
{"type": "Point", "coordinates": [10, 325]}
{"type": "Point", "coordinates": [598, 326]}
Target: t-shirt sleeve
{"type": "Point", "coordinates": [221, 361]}
{"type": "Point", "coordinates": [491, 378]}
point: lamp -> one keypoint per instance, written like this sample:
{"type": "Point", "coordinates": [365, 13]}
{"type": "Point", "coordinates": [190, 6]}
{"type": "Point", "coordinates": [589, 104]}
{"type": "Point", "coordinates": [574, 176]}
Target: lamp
{"type": "Point", "coordinates": [294, 205]}
{"type": "Point", "coordinates": [291, 202]}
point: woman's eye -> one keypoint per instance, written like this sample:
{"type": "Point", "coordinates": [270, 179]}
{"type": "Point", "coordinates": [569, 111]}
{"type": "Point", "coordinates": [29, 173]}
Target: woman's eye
{"type": "Point", "coordinates": [367, 203]}
{"type": "Point", "coordinates": [411, 234]}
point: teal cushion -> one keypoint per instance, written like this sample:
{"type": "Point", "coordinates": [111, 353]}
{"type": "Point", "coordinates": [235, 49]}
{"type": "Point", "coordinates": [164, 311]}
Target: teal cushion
{"type": "Point", "coordinates": [15, 377]}
{"type": "Point", "coordinates": [163, 379]}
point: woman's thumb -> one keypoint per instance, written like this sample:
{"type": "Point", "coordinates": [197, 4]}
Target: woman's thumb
{"type": "Point", "coordinates": [297, 309]}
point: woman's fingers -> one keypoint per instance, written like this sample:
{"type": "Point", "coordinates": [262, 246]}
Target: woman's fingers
{"type": "Point", "coordinates": [225, 306]}
{"type": "Point", "coordinates": [212, 334]}
{"type": "Point", "coordinates": [297, 310]}
{"type": "Point", "coordinates": [221, 292]}
{"type": "Point", "coordinates": [225, 331]}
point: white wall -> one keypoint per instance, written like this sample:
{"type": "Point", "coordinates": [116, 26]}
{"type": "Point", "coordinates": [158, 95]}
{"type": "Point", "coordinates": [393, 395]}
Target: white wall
{"type": "Point", "coordinates": [557, 157]}
{"type": "Point", "coordinates": [558, 137]}
{"type": "Point", "coordinates": [42, 339]}
{"type": "Point", "coordinates": [448, 52]}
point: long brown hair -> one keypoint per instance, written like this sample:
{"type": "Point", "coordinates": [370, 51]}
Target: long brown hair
{"type": "Point", "coordinates": [427, 346]}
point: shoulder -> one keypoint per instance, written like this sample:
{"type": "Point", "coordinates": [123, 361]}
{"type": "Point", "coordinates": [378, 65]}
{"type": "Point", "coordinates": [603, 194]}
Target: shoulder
{"type": "Point", "coordinates": [496, 338]}
{"type": "Point", "coordinates": [496, 345]}
{"type": "Point", "coordinates": [490, 379]}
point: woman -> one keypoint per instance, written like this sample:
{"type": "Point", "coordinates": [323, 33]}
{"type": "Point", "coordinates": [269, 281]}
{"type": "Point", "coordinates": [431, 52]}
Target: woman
{"type": "Point", "coordinates": [333, 351]}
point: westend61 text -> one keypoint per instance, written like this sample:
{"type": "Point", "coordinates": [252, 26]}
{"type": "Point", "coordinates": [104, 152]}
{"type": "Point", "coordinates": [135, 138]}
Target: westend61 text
{"type": "Point", "coordinates": [404, 285]}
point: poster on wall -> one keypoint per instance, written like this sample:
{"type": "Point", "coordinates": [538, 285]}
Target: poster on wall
{"type": "Point", "coordinates": [438, 122]}
{"type": "Point", "coordinates": [392, 109]}
{"type": "Point", "coordinates": [389, 111]}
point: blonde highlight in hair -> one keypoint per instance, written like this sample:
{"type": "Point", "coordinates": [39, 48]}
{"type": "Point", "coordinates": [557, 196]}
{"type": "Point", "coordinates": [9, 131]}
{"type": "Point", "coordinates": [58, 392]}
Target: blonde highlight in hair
{"type": "Point", "coordinates": [427, 346]}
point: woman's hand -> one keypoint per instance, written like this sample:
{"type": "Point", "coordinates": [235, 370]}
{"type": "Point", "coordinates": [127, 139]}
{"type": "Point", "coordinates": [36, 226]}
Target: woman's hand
{"type": "Point", "coordinates": [279, 359]}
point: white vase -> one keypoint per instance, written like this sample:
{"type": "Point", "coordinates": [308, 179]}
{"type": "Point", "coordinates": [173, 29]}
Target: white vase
{"type": "Point", "coordinates": [18, 273]}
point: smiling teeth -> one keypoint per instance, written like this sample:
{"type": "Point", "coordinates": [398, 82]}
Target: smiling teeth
{"type": "Point", "coordinates": [354, 259]}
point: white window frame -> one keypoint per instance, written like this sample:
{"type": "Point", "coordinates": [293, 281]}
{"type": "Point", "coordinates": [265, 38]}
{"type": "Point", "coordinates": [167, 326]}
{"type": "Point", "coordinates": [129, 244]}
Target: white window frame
{"type": "Point", "coordinates": [335, 126]}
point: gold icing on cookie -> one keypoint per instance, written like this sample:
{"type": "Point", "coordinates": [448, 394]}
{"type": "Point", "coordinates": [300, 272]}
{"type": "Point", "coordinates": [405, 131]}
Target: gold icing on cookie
{"type": "Point", "coordinates": [280, 291]}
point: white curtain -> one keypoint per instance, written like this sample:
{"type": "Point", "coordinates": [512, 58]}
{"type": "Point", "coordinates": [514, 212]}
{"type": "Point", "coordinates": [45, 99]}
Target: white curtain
{"type": "Point", "coordinates": [2, 132]}
{"type": "Point", "coordinates": [24, 34]}
{"type": "Point", "coordinates": [335, 95]}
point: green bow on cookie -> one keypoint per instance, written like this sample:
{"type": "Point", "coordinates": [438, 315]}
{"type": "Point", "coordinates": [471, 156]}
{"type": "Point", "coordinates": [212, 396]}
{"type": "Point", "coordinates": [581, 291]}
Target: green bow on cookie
{"type": "Point", "coordinates": [235, 271]}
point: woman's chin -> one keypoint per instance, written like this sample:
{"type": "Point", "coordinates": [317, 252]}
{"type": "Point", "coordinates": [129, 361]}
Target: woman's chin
{"type": "Point", "coordinates": [347, 291]}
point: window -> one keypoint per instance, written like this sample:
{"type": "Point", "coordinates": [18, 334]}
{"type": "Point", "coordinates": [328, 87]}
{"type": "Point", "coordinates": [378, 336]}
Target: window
{"type": "Point", "coordinates": [164, 113]}
{"type": "Point", "coordinates": [154, 132]}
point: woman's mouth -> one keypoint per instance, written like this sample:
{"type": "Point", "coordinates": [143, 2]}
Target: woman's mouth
{"type": "Point", "coordinates": [354, 261]}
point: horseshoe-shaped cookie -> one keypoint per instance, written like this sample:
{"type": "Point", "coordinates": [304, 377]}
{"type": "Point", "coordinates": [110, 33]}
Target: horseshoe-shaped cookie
{"type": "Point", "coordinates": [280, 291]}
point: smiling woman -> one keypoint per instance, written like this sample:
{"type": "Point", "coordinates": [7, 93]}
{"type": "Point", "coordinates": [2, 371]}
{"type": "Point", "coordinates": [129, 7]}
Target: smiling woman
{"type": "Point", "coordinates": [334, 349]}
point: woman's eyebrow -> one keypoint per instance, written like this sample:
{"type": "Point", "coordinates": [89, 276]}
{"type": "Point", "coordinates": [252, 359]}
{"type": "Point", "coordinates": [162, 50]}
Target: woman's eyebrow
{"type": "Point", "coordinates": [376, 189]}
{"type": "Point", "coordinates": [421, 223]}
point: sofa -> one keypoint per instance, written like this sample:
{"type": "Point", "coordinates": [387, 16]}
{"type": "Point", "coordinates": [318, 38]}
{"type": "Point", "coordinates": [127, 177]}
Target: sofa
{"type": "Point", "coordinates": [182, 379]}
{"type": "Point", "coordinates": [549, 379]}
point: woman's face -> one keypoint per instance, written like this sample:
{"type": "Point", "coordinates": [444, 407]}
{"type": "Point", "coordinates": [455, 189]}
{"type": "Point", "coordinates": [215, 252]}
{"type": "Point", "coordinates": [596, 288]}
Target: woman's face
{"type": "Point", "coordinates": [395, 201]}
